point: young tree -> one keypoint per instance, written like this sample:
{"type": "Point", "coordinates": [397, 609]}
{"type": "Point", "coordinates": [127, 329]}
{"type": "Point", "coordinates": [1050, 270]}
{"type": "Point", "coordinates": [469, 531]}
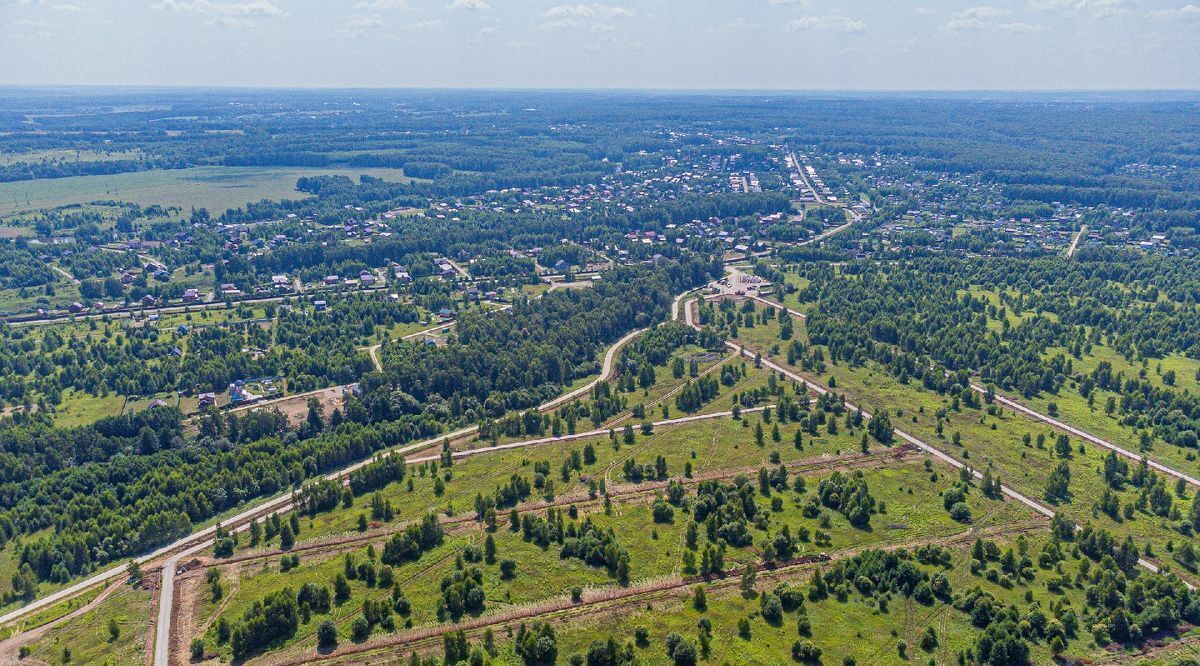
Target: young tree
{"type": "Point", "coordinates": [327, 635]}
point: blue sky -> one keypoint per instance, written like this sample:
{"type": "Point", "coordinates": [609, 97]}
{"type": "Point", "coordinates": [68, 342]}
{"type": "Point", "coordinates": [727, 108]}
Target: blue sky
{"type": "Point", "coordinates": [691, 44]}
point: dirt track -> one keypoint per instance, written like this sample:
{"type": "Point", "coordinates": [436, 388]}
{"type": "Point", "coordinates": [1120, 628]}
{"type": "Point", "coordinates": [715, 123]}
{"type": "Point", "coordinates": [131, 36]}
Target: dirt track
{"type": "Point", "coordinates": [602, 602]}
{"type": "Point", "coordinates": [10, 648]}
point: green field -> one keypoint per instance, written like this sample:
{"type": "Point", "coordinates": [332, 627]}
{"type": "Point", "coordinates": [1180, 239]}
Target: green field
{"type": "Point", "coordinates": [910, 494]}
{"type": "Point", "coordinates": [214, 188]}
{"type": "Point", "coordinates": [996, 439]}
{"type": "Point", "coordinates": [855, 628]}
{"type": "Point", "coordinates": [37, 156]}
{"type": "Point", "coordinates": [88, 636]}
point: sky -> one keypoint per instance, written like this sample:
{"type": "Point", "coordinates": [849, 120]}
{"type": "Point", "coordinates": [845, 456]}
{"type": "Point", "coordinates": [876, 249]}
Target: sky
{"type": "Point", "coordinates": [645, 44]}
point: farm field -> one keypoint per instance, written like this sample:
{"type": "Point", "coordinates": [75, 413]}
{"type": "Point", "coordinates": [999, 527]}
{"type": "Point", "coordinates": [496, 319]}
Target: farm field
{"type": "Point", "coordinates": [213, 188]}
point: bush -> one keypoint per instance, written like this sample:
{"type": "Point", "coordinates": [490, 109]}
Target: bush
{"type": "Point", "coordinates": [360, 629]}
{"type": "Point", "coordinates": [508, 569]}
{"type": "Point", "coordinates": [663, 512]}
{"type": "Point", "coordinates": [805, 650]}
{"type": "Point", "coordinates": [327, 636]}
{"type": "Point", "coordinates": [771, 608]}
{"type": "Point", "coordinates": [680, 650]}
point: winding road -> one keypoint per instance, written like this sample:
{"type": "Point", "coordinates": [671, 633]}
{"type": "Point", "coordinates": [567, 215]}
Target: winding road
{"type": "Point", "coordinates": [201, 539]}
{"type": "Point", "coordinates": [282, 503]}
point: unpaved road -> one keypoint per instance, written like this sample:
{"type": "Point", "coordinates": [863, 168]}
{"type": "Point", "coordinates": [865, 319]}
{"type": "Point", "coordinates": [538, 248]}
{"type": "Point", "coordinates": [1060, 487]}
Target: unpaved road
{"type": "Point", "coordinates": [931, 450]}
{"type": "Point", "coordinates": [202, 540]}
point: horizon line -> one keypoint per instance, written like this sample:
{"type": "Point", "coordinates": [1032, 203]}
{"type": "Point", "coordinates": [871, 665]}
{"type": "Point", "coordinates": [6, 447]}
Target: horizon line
{"type": "Point", "coordinates": [593, 89]}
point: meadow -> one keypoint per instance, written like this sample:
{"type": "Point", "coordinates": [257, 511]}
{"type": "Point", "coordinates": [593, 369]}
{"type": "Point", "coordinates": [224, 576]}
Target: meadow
{"type": "Point", "coordinates": [214, 188]}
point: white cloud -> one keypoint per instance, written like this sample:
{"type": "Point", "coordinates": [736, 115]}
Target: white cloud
{"type": "Point", "coordinates": [833, 23]}
{"type": "Point", "coordinates": [982, 17]}
{"type": "Point", "coordinates": [982, 12]}
{"type": "Point", "coordinates": [966, 24]}
{"type": "Point", "coordinates": [480, 5]}
{"type": "Point", "coordinates": [1096, 8]}
{"type": "Point", "coordinates": [382, 4]}
{"type": "Point", "coordinates": [360, 25]}
{"type": "Point", "coordinates": [233, 22]}
{"type": "Point", "coordinates": [225, 9]}
{"type": "Point", "coordinates": [1019, 26]}
{"type": "Point", "coordinates": [594, 10]}
{"type": "Point", "coordinates": [1190, 12]}
{"type": "Point", "coordinates": [560, 24]}
{"type": "Point", "coordinates": [363, 22]}
{"type": "Point", "coordinates": [788, 2]}
{"type": "Point", "coordinates": [738, 24]}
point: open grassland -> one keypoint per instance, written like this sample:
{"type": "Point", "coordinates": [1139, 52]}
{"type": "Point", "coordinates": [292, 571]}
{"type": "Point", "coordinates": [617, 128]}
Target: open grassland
{"type": "Point", "coordinates": [88, 639]}
{"type": "Point", "coordinates": [909, 493]}
{"type": "Point", "coordinates": [1073, 409]}
{"type": "Point", "coordinates": [907, 488]}
{"type": "Point", "coordinates": [857, 627]}
{"type": "Point", "coordinates": [214, 188]}
{"type": "Point", "coordinates": [1152, 370]}
{"type": "Point", "coordinates": [58, 155]}
{"type": "Point", "coordinates": [996, 438]}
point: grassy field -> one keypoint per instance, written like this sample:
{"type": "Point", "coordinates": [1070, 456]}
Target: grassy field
{"type": "Point", "coordinates": [33, 157]}
{"type": "Point", "coordinates": [997, 440]}
{"type": "Point", "coordinates": [855, 628]}
{"type": "Point", "coordinates": [1073, 408]}
{"type": "Point", "coordinates": [1185, 368]}
{"type": "Point", "coordinates": [88, 637]}
{"type": "Point", "coordinates": [910, 493]}
{"type": "Point", "coordinates": [214, 188]}
{"type": "Point", "coordinates": [48, 615]}
{"type": "Point", "coordinates": [80, 408]}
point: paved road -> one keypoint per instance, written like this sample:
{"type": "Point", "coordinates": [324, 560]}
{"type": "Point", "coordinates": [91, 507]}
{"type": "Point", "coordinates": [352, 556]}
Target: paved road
{"type": "Point", "coordinates": [170, 309]}
{"type": "Point", "coordinates": [854, 215]}
{"type": "Point", "coordinates": [836, 230]}
{"type": "Point", "coordinates": [60, 271]}
{"type": "Point", "coordinates": [936, 453]}
{"type": "Point", "coordinates": [373, 350]}
{"type": "Point", "coordinates": [162, 641]}
{"type": "Point", "coordinates": [166, 603]}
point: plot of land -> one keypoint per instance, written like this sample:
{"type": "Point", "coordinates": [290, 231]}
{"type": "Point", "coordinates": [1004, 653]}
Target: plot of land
{"type": "Point", "coordinates": [214, 188]}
